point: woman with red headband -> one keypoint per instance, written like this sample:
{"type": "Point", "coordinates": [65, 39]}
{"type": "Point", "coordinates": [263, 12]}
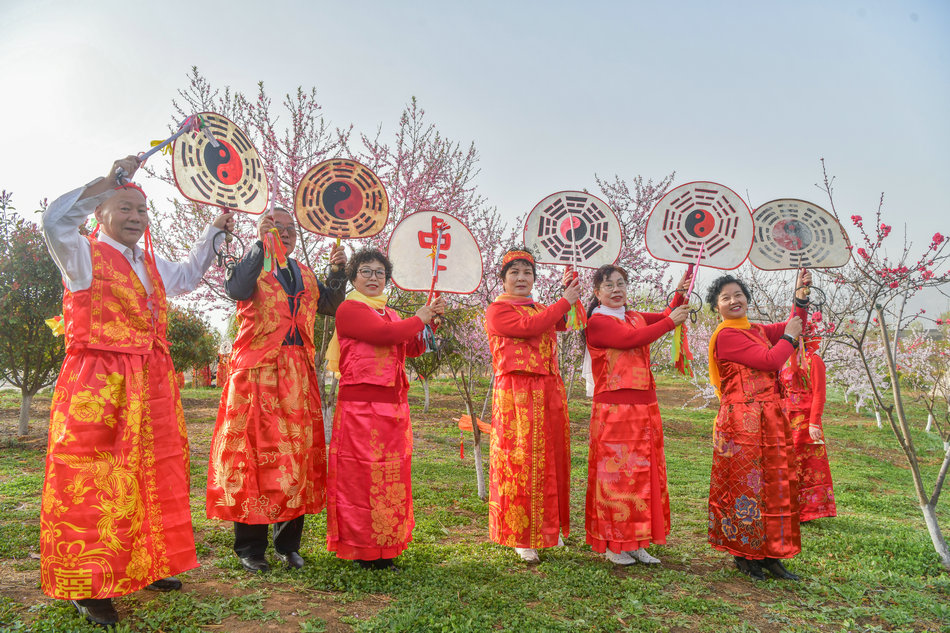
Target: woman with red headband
{"type": "Point", "coordinates": [804, 380]}
{"type": "Point", "coordinates": [753, 500]}
{"type": "Point", "coordinates": [530, 437]}
{"type": "Point", "coordinates": [628, 505]}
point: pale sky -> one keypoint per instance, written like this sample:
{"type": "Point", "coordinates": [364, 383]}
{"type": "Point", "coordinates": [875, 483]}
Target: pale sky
{"type": "Point", "coordinates": [747, 94]}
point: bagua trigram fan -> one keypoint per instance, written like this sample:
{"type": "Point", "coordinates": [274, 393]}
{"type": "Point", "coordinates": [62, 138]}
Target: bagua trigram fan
{"type": "Point", "coordinates": [793, 233]}
{"type": "Point", "coordinates": [573, 228]}
{"type": "Point", "coordinates": [416, 244]}
{"type": "Point", "coordinates": [341, 198]}
{"type": "Point", "coordinates": [230, 175]}
{"type": "Point", "coordinates": [700, 216]}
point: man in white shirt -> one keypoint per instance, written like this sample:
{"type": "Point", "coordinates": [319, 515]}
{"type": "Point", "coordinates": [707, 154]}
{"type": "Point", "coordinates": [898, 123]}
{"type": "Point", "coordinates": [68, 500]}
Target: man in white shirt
{"type": "Point", "coordinates": [115, 516]}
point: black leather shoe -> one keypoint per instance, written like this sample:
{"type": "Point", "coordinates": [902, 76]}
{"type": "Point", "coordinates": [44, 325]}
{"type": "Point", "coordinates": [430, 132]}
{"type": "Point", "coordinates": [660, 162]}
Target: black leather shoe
{"type": "Point", "coordinates": [256, 564]}
{"type": "Point", "coordinates": [775, 567]}
{"type": "Point", "coordinates": [293, 559]}
{"type": "Point", "coordinates": [165, 584]}
{"type": "Point", "coordinates": [750, 568]}
{"type": "Point", "coordinates": [97, 610]}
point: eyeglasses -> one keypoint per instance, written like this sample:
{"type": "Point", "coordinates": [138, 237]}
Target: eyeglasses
{"type": "Point", "coordinates": [284, 228]}
{"type": "Point", "coordinates": [609, 287]}
{"type": "Point", "coordinates": [368, 273]}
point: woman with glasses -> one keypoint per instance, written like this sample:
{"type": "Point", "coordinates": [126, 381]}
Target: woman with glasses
{"type": "Point", "coordinates": [628, 505]}
{"type": "Point", "coordinates": [530, 437]}
{"type": "Point", "coordinates": [268, 455]}
{"type": "Point", "coordinates": [369, 488]}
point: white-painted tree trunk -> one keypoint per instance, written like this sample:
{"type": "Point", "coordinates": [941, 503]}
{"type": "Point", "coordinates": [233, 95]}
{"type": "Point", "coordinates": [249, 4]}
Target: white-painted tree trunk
{"type": "Point", "coordinates": [24, 427]}
{"type": "Point", "coordinates": [480, 471]}
{"type": "Point", "coordinates": [425, 389]}
{"type": "Point", "coordinates": [846, 401]}
{"type": "Point", "coordinates": [930, 422]}
{"type": "Point", "coordinates": [940, 544]}
{"type": "Point", "coordinates": [877, 414]}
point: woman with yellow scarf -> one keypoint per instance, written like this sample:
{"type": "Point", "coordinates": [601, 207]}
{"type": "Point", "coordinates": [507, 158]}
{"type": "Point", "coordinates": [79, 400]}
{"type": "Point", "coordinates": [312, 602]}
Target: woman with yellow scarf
{"type": "Point", "coordinates": [753, 498]}
{"type": "Point", "coordinates": [369, 487]}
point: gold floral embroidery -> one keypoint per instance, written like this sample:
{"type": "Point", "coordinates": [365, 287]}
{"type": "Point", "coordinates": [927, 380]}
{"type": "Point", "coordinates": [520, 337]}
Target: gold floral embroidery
{"type": "Point", "coordinates": [86, 406]}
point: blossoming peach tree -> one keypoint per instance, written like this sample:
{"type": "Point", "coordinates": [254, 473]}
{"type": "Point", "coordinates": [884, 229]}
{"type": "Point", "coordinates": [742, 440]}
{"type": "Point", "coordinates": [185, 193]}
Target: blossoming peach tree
{"type": "Point", "coordinates": [885, 279]}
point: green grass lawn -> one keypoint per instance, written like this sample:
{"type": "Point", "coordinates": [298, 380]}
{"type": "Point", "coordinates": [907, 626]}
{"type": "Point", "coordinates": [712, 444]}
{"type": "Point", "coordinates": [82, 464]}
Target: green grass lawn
{"type": "Point", "coordinates": [872, 568]}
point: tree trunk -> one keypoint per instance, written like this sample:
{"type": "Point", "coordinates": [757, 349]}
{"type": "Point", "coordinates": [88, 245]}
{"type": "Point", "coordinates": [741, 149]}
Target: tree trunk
{"type": "Point", "coordinates": [26, 399]}
{"type": "Point", "coordinates": [425, 389]}
{"type": "Point", "coordinates": [329, 405]}
{"type": "Point", "coordinates": [877, 414]}
{"type": "Point", "coordinates": [479, 468]}
{"type": "Point", "coordinates": [930, 422]}
{"type": "Point", "coordinates": [940, 544]}
{"type": "Point", "coordinates": [846, 401]}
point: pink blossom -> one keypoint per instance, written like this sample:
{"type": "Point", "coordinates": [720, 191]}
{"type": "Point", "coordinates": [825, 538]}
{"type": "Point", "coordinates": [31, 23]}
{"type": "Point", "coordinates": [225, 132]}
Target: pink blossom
{"type": "Point", "coordinates": [856, 219]}
{"type": "Point", "coordinates": [863, 253]}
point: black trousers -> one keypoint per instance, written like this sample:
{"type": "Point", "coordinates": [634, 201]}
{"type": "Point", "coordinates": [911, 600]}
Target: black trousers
{"type": "Point", "coordinates": [251, 540]}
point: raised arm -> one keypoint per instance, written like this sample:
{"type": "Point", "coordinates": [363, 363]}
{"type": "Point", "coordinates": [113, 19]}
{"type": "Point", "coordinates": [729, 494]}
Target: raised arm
{"type": "Point", "coordinates": [505, 320]}
{"type": "Point", "coordinates": [70, 250]}
{"type": "Point", "coordinates": [739, 347]}
{"type": "Point", "coordinates": [182, 277]}
{"type": "Point", "coordinates": [359, 321]}
{"type": "Point", "coordinates": [607, 332]}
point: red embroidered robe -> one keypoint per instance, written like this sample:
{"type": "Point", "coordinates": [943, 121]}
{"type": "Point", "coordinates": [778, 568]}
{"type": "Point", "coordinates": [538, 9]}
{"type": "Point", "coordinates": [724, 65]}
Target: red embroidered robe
{"type": "Point", "coordinates": [115, 514]}
{"type": "Point", "coordinates": [529, 484]}
{"type": "Point", "coordinates": [628, 504]}
{"type": "Point", "coordinates": [805, 403]}
{"type": "Point", "coordinates": [753, 489]}
{"type": "Point", "coordinates": [268, 453]}
{"type": "Point", "coordinates": [369, 485]}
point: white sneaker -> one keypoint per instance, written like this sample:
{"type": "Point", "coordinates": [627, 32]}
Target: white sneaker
{"type": "Point", "coordinates": [619, 559]}
{"type": "Point", "coordinates": [528, 555]}
{"type": "Point", "coordinates": [643, 556]}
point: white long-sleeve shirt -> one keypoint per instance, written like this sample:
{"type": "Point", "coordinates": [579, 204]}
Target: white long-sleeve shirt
{"type": "Point", "coordinates": [73, 256]}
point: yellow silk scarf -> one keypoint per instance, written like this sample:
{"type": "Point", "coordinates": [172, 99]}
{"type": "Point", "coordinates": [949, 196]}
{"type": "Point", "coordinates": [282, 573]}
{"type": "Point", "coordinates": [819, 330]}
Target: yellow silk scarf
{"type": "Point", "coordinates": [739, 324]}
{"type": "Point", "coordinates": [333, 349]}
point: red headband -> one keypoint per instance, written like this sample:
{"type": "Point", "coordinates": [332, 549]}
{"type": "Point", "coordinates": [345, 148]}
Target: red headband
{"type": "Point", "coordinates": [132, 185]}
{"type": "Point", "coordinates": [513, 255]}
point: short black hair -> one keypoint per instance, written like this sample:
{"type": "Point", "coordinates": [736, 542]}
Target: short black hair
{"type": "Point", "coordinates": [364, 256]}
{"type": "Point", "coordinates": [504, 269]}
{"type": "Point", "coordinates": [715, 289]}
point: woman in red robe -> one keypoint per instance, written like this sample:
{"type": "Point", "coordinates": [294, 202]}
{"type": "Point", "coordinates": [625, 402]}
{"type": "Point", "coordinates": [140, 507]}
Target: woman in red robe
{"type": "Point", "coordinates": [628, 504]}
{"type": "Point", "coordinates": [805, 399]}
{"type": "Point", "coordinates": [753, 498]}
{"type": "Point", "coordinates": [530, 437]}
{"type": "Point", "coordinates": [369, 484]}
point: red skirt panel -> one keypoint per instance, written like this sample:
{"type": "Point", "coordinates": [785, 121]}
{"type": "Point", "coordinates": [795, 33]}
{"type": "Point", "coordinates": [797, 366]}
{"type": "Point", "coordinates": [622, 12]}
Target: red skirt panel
{"type": "Point", "coordinates": [115, 515]}
{"type": "Point", "coordinates": [816, 496]}
{"type": "Point", "coordinates": [753, 498]}
{"type": "Point", "coordinates": [369, 485]}
{"type": "Point", "coordinates": [529, 485]}
{"type": "Point", "coordinates": [268, 455]}
{"type": "Point", "coordinates": [628, 504]}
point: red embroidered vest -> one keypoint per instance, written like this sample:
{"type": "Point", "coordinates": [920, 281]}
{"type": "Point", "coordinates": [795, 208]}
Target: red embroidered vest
{"type": "Point", "coordinates": [797, 394]}
{"type": "Point", "coordinates": [615, 369]}
{"type": "Point", "coordinates": [364, 363]}
{"type": "Point", "coordinates": [744, 384]}
{"type": "Point", "coordinates": [114, 313]}
{"type": "Point", "coordinates": [265, 319]}
{"type": "Point", "coordinates": [535, 355]}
